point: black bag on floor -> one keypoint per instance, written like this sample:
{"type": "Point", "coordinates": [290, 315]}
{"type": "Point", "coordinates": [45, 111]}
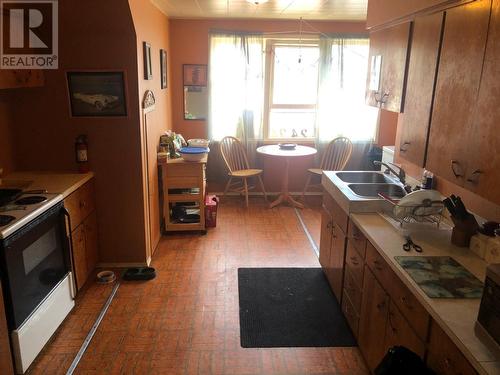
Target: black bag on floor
{"type": "Point", "coordinates": [400, 360]}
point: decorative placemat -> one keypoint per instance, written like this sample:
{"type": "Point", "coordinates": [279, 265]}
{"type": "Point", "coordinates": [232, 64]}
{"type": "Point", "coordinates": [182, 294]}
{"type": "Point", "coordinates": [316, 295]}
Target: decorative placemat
{"type": "Point", "coordinates": [441, 276]}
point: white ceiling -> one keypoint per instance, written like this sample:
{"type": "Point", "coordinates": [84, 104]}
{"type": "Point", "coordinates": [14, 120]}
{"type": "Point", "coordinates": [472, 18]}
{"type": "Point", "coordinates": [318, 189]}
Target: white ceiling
{"type": "Point", "coordinates": [354, 10]}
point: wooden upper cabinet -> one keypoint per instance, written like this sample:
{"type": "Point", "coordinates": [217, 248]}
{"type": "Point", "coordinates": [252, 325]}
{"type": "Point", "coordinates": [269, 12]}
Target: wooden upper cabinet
{"type": "Point", "coordinates": [457, 89]}
{"type": "Point", "coordinates": [391, 44]}
{"type": "Point", "coordinates": [426, 38]}
{"type": "Point", "coordinates": [382, 12]}
{"type": "Point", "coordinates": [485, 139]}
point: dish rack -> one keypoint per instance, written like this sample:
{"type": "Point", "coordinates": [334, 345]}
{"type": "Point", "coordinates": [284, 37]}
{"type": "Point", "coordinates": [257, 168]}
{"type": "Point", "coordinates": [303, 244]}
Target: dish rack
{"type": "Point", "coordinates": [428, 211]}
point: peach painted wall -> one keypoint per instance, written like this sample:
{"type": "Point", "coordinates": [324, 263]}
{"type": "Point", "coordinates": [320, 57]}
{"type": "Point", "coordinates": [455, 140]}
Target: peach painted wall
{"type": "Point", "coordinates": [93, 35]}
{"type": "Point", "coordinates": [474, 202]}
{"type": "Point", "coordinates": [6, 123]}
{"type": "Point", "coordinates": [387, 128]}
{"type": "Point", "coordinates": [152, 26]}
{"type": "Point", "coordinates": [189, 44]}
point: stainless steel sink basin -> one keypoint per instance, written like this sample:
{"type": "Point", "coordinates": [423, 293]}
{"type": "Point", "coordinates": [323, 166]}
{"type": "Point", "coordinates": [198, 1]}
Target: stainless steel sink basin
{"type": "Point", "coordinates": [364, 177]}
{"type": "Point", "coordinates": [371, 190]}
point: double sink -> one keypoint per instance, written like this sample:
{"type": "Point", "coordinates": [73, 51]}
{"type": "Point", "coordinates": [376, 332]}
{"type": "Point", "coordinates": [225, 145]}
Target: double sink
{"type": "Point", "coordinates": [358, 191]}
{"type": "Point", "coordinates": [370, 184]}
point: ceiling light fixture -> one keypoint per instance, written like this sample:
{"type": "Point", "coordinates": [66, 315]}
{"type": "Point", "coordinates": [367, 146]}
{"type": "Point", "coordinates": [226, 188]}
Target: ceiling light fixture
{"type": "Point", "coordinates": [257, 2]}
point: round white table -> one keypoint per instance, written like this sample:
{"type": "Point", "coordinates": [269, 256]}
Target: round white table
{"type": "Point", "coordinates": [297, 152]}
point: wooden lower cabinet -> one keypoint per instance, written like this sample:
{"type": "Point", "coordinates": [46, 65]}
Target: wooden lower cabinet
{"type": "Point", "coordinates": [336, 264]}
{"type": "Point", "coordinates": [399, 332]}
{"type": "Point", "coordinates": [81, 207]}
{"type": "Point", "coordinates": [325, 239]}
{"type": "Point", "coordinates": [444, 357]}
{"type": "Point", "coordinates": [372, 320]}
{"type": "Point", "coordinates": [6, 366]}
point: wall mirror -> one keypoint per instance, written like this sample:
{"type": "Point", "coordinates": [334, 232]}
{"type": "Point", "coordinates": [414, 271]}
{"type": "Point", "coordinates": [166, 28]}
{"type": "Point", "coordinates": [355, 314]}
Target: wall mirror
{"type": "Point", "coordinates": [195, 92]}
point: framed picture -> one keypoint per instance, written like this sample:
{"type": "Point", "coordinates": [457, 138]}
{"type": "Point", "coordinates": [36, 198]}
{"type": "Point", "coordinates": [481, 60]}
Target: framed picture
{"type": "Point", "coordinates": [97, 94]}
{"type": "Point", "coordinates": [148, 65]}
{"type": "Point", "coordinates": [195, 75]}
{"type": "Point", "coordinates": [163, 68]}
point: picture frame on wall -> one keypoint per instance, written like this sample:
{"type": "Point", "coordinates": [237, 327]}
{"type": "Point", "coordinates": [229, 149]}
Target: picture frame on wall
{"type": "Point", "coordinates": [148, 64]}
{"type": "Point", "coordinates": [195, 74]}
{"type": "Point", "coordinates": [163, 68]}
{"type": "Point", "coordinates": [97, 93]}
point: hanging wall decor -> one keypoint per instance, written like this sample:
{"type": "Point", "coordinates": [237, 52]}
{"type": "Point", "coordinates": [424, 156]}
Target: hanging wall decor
{"type": "Point", "coordinates": [163, 68]}
{"type": "Point", "coordinates": [148, 64]}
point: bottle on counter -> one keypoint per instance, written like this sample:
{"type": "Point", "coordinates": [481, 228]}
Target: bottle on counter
{"type": "Point", "coordinates": [427, 180]}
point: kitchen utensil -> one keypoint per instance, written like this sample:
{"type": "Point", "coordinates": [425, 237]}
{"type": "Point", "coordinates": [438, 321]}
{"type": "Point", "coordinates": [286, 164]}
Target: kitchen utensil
{"type": "Point", "coordinates": [409, 244]}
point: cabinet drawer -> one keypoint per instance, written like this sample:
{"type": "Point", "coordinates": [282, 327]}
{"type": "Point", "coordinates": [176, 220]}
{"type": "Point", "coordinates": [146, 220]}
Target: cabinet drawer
{"type": "Point", "coordinates": [351, 314]}
{"type": "Point", "coordinates": [399, 333]}
{"type": "Point", "coordinates": [444, 357]}
{"type": "Point", "coordinates": [378, 266]}
{"type": "Point", "coordinates": [357, 238]}
{"type": "Point", "coordinates": [339, 216]}
{"type": "Point", "coordinates": [185, 170]}
{"type": "Point", "coordinates": [352, 289]}
{"type": "Point", "coordinates": [410, 307]}
{"type": "Point", "coordinates": [355, 263]}
{"type": "Point", "coordinates": [80, 204]}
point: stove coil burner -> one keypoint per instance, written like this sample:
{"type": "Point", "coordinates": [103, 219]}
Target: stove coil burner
{"type": "Point", "coordinates": [31, 200]}
{"type": "Point", "coordinates": [5, 219]}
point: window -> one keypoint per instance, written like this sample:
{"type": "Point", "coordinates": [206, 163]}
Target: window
{"type": "Point", "coordinates": [292, 85]}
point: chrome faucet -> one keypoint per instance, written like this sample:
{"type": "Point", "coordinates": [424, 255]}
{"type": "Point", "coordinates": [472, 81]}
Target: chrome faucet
{"type": "Point", "coordinates": [401, 175]}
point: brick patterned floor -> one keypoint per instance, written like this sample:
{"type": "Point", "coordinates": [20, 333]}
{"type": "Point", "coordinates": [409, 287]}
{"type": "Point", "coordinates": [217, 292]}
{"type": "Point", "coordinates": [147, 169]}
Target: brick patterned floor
{"type": "Point", "coordinates": [186, 321]}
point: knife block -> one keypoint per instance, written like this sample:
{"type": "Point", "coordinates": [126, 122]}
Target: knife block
{"type": "Point", "coordinates": [463, 230]}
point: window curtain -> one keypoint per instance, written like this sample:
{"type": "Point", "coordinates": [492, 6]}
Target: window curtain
{"type": "Point", "coordinates": [236, 87]}
{"type": "Point", "coordinates": [341, 109]}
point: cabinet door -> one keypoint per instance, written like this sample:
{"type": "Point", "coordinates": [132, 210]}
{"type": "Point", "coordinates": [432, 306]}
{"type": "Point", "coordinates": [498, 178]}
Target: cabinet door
{"type": "Point", "coordinates": [336, 264]}
{"type": "Point", "coordinates": [79, 256]}
{"type": "Point", "coordinates": [486, 142]}
{"type": "Point", "coordinates": [325, 239]}
{"type": "Point", "coordinates": [5, 354]}
{"type": "Point", "coordinates": [372, 320]}
{"type": "Point", "coordinates": [444, 357]}
{"type": "Point", "coordinates": [392, 45]}
{"type": "Point", "coordinates": [457, 88]}
{"type": "Point", "coordinates": [398, 332]}
{"type": "Point", "coordinates": [91, 250]}
{"type": "Point", "coordinates": [426, 38]}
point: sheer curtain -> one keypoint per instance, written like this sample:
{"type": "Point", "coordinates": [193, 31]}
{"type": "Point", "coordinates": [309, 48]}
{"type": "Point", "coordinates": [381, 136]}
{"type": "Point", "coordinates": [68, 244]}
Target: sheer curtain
{"type": "Point", "coordinates": [341, 107]}
{"type": "Point", "coordinates": [236, 87]}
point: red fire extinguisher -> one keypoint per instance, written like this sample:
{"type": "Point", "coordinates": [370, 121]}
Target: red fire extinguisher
{"type": "Point", "coordinates": [81, 149]}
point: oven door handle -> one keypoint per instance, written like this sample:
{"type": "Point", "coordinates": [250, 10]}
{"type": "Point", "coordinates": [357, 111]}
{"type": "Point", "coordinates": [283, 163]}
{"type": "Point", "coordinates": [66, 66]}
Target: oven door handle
{"type": "Point", "coordinates": [69, 241]}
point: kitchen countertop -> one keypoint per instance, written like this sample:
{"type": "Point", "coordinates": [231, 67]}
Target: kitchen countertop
{"type": "Point", "coordinates": [457, 317]}
{"type": "Point", "coordinates": [53, 182]}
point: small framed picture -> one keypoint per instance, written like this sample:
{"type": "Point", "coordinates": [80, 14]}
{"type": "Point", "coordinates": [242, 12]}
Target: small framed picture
{"type": "Point", "coordinates": [95, 94]}
{"type": "Point", "coordinates": [195, 75]}
{"type": "Point", "coordinates": [163, 68]}
{"type": "Point", "coordinates": [148, 65]}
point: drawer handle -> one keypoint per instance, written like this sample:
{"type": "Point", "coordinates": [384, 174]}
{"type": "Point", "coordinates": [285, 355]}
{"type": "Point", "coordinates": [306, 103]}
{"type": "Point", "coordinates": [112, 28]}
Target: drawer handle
{"type": "Point", "coordinates": [406, 303]}
{"type": "Point", "coordinates": [456, 172]}
{"type": "Point", "coordinates": [474, 177]}
{"type": "Point", "coordinates": [404, 147]}
{"type": "Point", "coordinates": [354, 261]}
{"type": "Point", "coordinates": [380, 305]}
{"type": "Point", "coordinates": [447, 363]}
{"type": "Point", "coordinates": [83, 204]}
{"type": "Point", "coordinates": [377, 265]}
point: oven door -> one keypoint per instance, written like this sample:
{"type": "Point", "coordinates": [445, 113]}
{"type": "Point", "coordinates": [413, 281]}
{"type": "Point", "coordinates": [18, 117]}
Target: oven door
{"type": "Point", "coordinates": [34, 260]}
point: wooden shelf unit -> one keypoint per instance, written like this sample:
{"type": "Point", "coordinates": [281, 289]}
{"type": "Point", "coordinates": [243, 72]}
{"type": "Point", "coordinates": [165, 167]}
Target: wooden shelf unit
{"type": "Point", "coordinates": [183, 176]}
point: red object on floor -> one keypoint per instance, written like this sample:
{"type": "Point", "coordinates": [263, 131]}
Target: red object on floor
{"type": "Point", "coordinates": [211, 202]}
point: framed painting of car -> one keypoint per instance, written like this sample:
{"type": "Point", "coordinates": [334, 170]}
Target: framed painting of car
{"type": "Point", "coordinates": [97, 94]}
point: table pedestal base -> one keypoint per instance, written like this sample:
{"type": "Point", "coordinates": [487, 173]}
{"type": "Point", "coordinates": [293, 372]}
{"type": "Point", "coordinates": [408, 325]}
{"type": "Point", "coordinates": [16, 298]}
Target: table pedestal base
{"type": "Point", "coordinates": [285, 194]}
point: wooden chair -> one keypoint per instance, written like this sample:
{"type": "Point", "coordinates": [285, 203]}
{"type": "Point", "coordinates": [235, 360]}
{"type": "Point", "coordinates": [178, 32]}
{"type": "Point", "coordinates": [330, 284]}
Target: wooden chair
{"type": "Point", "coordinates": [335, 158]}
{"type": "Point", "coordinates": [236, 160]}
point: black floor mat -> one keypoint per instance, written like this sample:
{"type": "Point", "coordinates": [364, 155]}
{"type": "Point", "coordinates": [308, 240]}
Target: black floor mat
{"type": "Point", "coordinates": [289, 307]}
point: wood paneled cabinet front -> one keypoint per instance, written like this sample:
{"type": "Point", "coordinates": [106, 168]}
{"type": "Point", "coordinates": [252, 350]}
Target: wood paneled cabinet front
{"type": "Point", "coordinates": [387, 67]}
{"type": "Point", "coordinates": [453, 140]}
{"type": "Point", "coordinates": [81, 207]}
{"type": "Point", "coordinates": [333, 243]}
{"type": "Point", "coordinates": [422, 67]}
